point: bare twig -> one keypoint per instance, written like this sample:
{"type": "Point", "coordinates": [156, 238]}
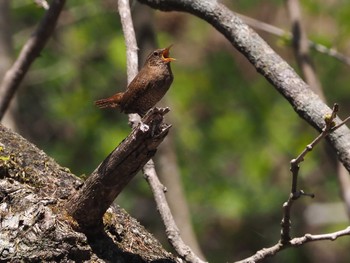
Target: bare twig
{"type": "Point", "coordinates": [257, 24]}
{"type": "Point", "coordinates": [149, 170]}
{"type": "Point", "coordinates": [301, 47]}
{"type": "Point", "coordinates": [172, 231]}
{"type": "Point", "coordinates": [294, 168]}
{"type": "Point", "coordinates": [301, 50]}
{"type": "Point", "coordinates": [28, 54]}
{"type": "Point", "coordinates": [285, 240]}
{"type": "Point", "coordinates": [264, 253]}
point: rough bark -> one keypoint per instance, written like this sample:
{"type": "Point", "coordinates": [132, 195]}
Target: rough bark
{"type": "Point", "coordinates": [33, 222]}
{"type": "Point", "coordinates": [114, 173]}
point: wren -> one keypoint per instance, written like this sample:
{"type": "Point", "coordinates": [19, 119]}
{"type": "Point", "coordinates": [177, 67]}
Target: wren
{"type": "Point", "coordinates": [147, 88]}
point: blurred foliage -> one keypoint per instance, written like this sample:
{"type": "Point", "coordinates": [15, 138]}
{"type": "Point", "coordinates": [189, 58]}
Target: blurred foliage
{"type": "Point", "coordinates": [234, 134]}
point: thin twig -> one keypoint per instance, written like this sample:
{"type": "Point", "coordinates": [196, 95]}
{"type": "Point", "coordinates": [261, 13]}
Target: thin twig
{"type": "Point", "coordinates": [171, 229]}
{"type": "Point", "coordinates": [264, 253]}
{"type": "Point", "coordinates": [149, 171]}
{"type": "Point", "coordinates": [294, 168]}
{"type": "Point", "coordinates": [301, 50]}
{"type": "Point", "coordinates": [286, 240]}
{"type": "Point", "coordinates": [30, 51]}
{"type": "Point", "coordinates": [301, 47]}
{"type": "Point", "coordinates": [271, 29]}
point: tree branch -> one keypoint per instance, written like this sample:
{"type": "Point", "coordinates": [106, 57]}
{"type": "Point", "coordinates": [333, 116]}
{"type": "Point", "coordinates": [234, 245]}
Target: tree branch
{"type": "Point", "coordinates": [149, 171]}
{"type": "Point", "coordinates": [257, 24]}
{"type": "Point", "coordinates": [172, 231]}
{"type": "Point", "coordinates": [264, 253]}
{"type": "Point", "coordinates": [99, 191]}
{"type": "Point", "coordinates": [306, 103]}
{"type": "Point", "coordinates": [131, 48]}
{"type": "Point", "coordinates": [130, 39]}
{"type": "Point", "coordinates": [301, 48]}
{"type": "Point", "coordinates": [28, 54]}
{"type": "Point", "coordinates": [285, 240]}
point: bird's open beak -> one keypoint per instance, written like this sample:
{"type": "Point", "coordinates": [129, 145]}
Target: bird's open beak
{"type": "Point", "coordinates": [165, 54]}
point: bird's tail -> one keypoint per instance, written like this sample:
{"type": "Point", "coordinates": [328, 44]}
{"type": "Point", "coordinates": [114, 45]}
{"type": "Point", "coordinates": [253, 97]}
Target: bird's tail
{"type": "Point", "coordinates": [111, 102]}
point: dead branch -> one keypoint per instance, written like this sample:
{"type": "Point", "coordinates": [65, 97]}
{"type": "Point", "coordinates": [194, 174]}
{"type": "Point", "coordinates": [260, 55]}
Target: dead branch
{"type": "Point", "coordinates": [99, 191]}
{"type": "Point", "coordinates": [30, 51]}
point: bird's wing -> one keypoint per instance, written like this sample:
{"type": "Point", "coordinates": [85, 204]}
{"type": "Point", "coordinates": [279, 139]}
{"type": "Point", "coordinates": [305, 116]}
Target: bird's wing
{"type": "Point", "coordinates": [136, 89]}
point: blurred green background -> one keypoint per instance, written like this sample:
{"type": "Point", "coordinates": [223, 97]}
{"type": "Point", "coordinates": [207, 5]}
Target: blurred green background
{"type": "Point", "coordinates": [233, 134]}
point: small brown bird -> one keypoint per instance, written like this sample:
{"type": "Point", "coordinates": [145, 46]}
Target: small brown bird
{"type": "Point", "coordinates": [147, 88]}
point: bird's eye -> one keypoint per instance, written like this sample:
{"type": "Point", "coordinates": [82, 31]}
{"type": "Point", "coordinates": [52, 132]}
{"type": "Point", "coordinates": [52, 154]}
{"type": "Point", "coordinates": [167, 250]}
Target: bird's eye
{"type": "Point", "coordinates": [156, 53]}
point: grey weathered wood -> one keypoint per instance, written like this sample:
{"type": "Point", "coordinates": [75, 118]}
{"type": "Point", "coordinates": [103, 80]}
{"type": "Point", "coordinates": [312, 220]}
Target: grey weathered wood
{"type": "Point", "coordinates": [114, 173]}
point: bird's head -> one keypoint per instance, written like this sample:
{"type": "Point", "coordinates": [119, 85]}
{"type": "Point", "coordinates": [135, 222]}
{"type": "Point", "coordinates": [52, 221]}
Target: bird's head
{"type": "Point", "coordinates": [160, 56]}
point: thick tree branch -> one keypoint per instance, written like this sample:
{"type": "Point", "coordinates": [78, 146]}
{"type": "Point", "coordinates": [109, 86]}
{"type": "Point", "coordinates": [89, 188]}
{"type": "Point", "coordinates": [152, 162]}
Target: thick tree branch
{"type": "Point", "coordinates": [306, 103]}
{"type": "Point", "coordinates": [28, 54]}
{"type": "Point", "coordinates": [102, 187]}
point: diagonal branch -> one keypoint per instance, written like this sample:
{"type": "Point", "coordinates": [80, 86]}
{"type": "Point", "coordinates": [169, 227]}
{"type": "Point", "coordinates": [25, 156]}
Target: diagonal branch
{"type": "Point", "coordinates": [28, 54]}
{"type": "Point", "coordinates": [269, 64]}
{"type": "Point", "coordinates": [171, 229]}
{"type": "Point", "coordinates": [99, 191]}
